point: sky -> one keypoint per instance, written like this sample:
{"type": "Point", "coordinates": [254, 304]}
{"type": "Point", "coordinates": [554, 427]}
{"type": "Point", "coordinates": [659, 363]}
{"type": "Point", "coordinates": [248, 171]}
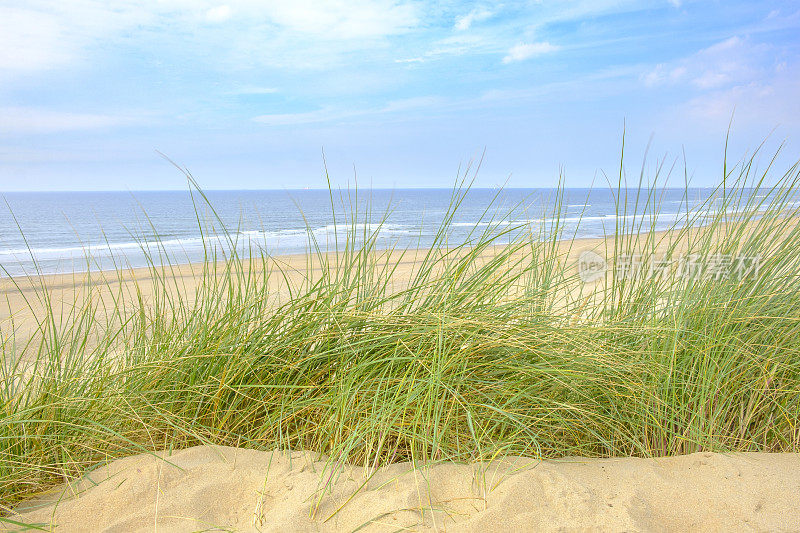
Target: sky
{"type": "Point", "coordinates": [249, 94]}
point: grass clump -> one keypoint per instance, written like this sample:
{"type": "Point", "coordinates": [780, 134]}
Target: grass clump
{"type": "Point", "coordinates": [492, 346]}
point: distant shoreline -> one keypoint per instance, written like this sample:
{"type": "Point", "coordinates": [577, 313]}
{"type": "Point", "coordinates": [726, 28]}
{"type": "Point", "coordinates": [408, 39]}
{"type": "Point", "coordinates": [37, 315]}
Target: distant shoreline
{"type": "Point", "coordinates": [70, 233]}
{"type": "Point", "coordinates": [188, 269]}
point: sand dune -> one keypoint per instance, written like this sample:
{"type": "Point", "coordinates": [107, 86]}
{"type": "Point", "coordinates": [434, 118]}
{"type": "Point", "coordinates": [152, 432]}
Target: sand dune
{"type": "Point", "coordinates": [219, 488]}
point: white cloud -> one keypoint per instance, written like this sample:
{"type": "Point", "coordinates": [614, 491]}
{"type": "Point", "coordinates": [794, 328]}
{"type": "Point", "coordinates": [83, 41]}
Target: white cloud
{"type": "Point", "coordinates": [750, 81]}
{"type": "Point", "coordinates": [525, 51]}
{"type": "Point", "coordinates": [759, 105]}
{"type": "Point", "coordinates": [325, 114]}
{"type": "Point", "coordinates": [331, 114]}
{"type": "Point", "coordinates": [219, 13]}
{"type": "Point", "coordinates": [729, 62]}
{"type": "Point", "coordinates": [711, 79]}
{"type": "Point", "coordinates": [30, 41]}
{"type": "Point", "coordinates": [47, 34]}
{"type": "Point", "coordinates": [663, 73]}
{"type": "Point", "coordinates": [343, 19]}
{"type": "Point", "coordinates": [462, 43]}
{"type": "Point", "coordinates": [407, 104]}
{"type": "Point", "coordinates": [28, 120]}
{"type": "Point", "coordinates": [476, 15]}
{"type": "Point", "coordinates": [253, 90]}
{"type": "Point", "coordinates": [39, 35]}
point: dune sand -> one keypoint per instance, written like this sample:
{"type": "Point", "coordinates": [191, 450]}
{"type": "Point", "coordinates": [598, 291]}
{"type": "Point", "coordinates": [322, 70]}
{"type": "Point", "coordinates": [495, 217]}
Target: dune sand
{"type": "Point", "coordinates": [219, 488]}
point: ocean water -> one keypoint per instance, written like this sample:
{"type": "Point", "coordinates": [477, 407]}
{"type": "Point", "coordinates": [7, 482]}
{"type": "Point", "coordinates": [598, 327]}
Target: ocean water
{"type": "Point", "coordinates": [62, 232]}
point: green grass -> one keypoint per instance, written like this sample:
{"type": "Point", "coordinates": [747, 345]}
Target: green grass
{"type": "Point", "coordinates": [477, 355]}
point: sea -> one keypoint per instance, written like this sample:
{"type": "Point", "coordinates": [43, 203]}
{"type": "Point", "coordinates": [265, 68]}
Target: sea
{"type": "Point", "coordinates": [65, 232]}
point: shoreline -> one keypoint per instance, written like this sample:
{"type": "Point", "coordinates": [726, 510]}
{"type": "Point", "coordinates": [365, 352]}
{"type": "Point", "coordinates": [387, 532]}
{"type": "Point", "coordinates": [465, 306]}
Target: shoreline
{"type": "Point", "coordinates": [565, 380]}
{"type": "Point", "coordinates": [186, 269]}
{"type": "Point", "coordinates": [22, 294]}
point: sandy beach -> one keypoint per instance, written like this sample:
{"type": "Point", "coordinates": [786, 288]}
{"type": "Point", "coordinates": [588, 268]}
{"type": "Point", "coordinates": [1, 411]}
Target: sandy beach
{"type": "Point", "coordinates": [399, 265]}
{"type": "Point", "coordinates": [228, 489]}
{"type": "Point", "coordinates": [215, 488]}
{"type": "Point", "coordinates": [20, 299]}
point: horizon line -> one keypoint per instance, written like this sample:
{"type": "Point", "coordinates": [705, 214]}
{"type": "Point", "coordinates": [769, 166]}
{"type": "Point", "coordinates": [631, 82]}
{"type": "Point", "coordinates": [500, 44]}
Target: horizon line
{"type": "Point", "coordinates": [318, 189]}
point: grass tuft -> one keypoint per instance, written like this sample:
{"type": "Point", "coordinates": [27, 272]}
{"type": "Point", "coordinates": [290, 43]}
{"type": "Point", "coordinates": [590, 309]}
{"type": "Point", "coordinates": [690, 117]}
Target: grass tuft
{"type": "Point", "coordinates": [493, 345]}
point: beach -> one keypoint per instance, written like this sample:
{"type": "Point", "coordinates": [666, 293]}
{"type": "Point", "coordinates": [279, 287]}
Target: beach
{"type": "Point", "coordinates": [399, 265]}
{"type": "Point", "coordinates": [181, 484]}
{"type": "Point", "coordinates": [22, 295]}
{"type": "Point", "coordinates": [228, 489]}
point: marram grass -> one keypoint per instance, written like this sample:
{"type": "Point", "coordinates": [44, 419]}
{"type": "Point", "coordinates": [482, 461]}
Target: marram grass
{"type": "Point", "coordinates": [492, 347]}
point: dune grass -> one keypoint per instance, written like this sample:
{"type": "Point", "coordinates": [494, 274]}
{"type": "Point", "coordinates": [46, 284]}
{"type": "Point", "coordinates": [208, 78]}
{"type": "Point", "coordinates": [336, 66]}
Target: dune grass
{"type": "Point", "coordinates": [494, 346]}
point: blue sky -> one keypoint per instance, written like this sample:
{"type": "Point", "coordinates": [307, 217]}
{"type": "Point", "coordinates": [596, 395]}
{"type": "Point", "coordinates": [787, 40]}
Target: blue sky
{"type": "Point", "coordinates": [248, 93]}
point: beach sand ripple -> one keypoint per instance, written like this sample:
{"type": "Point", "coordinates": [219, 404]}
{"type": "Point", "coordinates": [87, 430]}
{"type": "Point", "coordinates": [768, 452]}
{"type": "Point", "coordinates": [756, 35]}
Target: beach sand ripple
{"type": "Point", "coordinates": [221, 488]}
